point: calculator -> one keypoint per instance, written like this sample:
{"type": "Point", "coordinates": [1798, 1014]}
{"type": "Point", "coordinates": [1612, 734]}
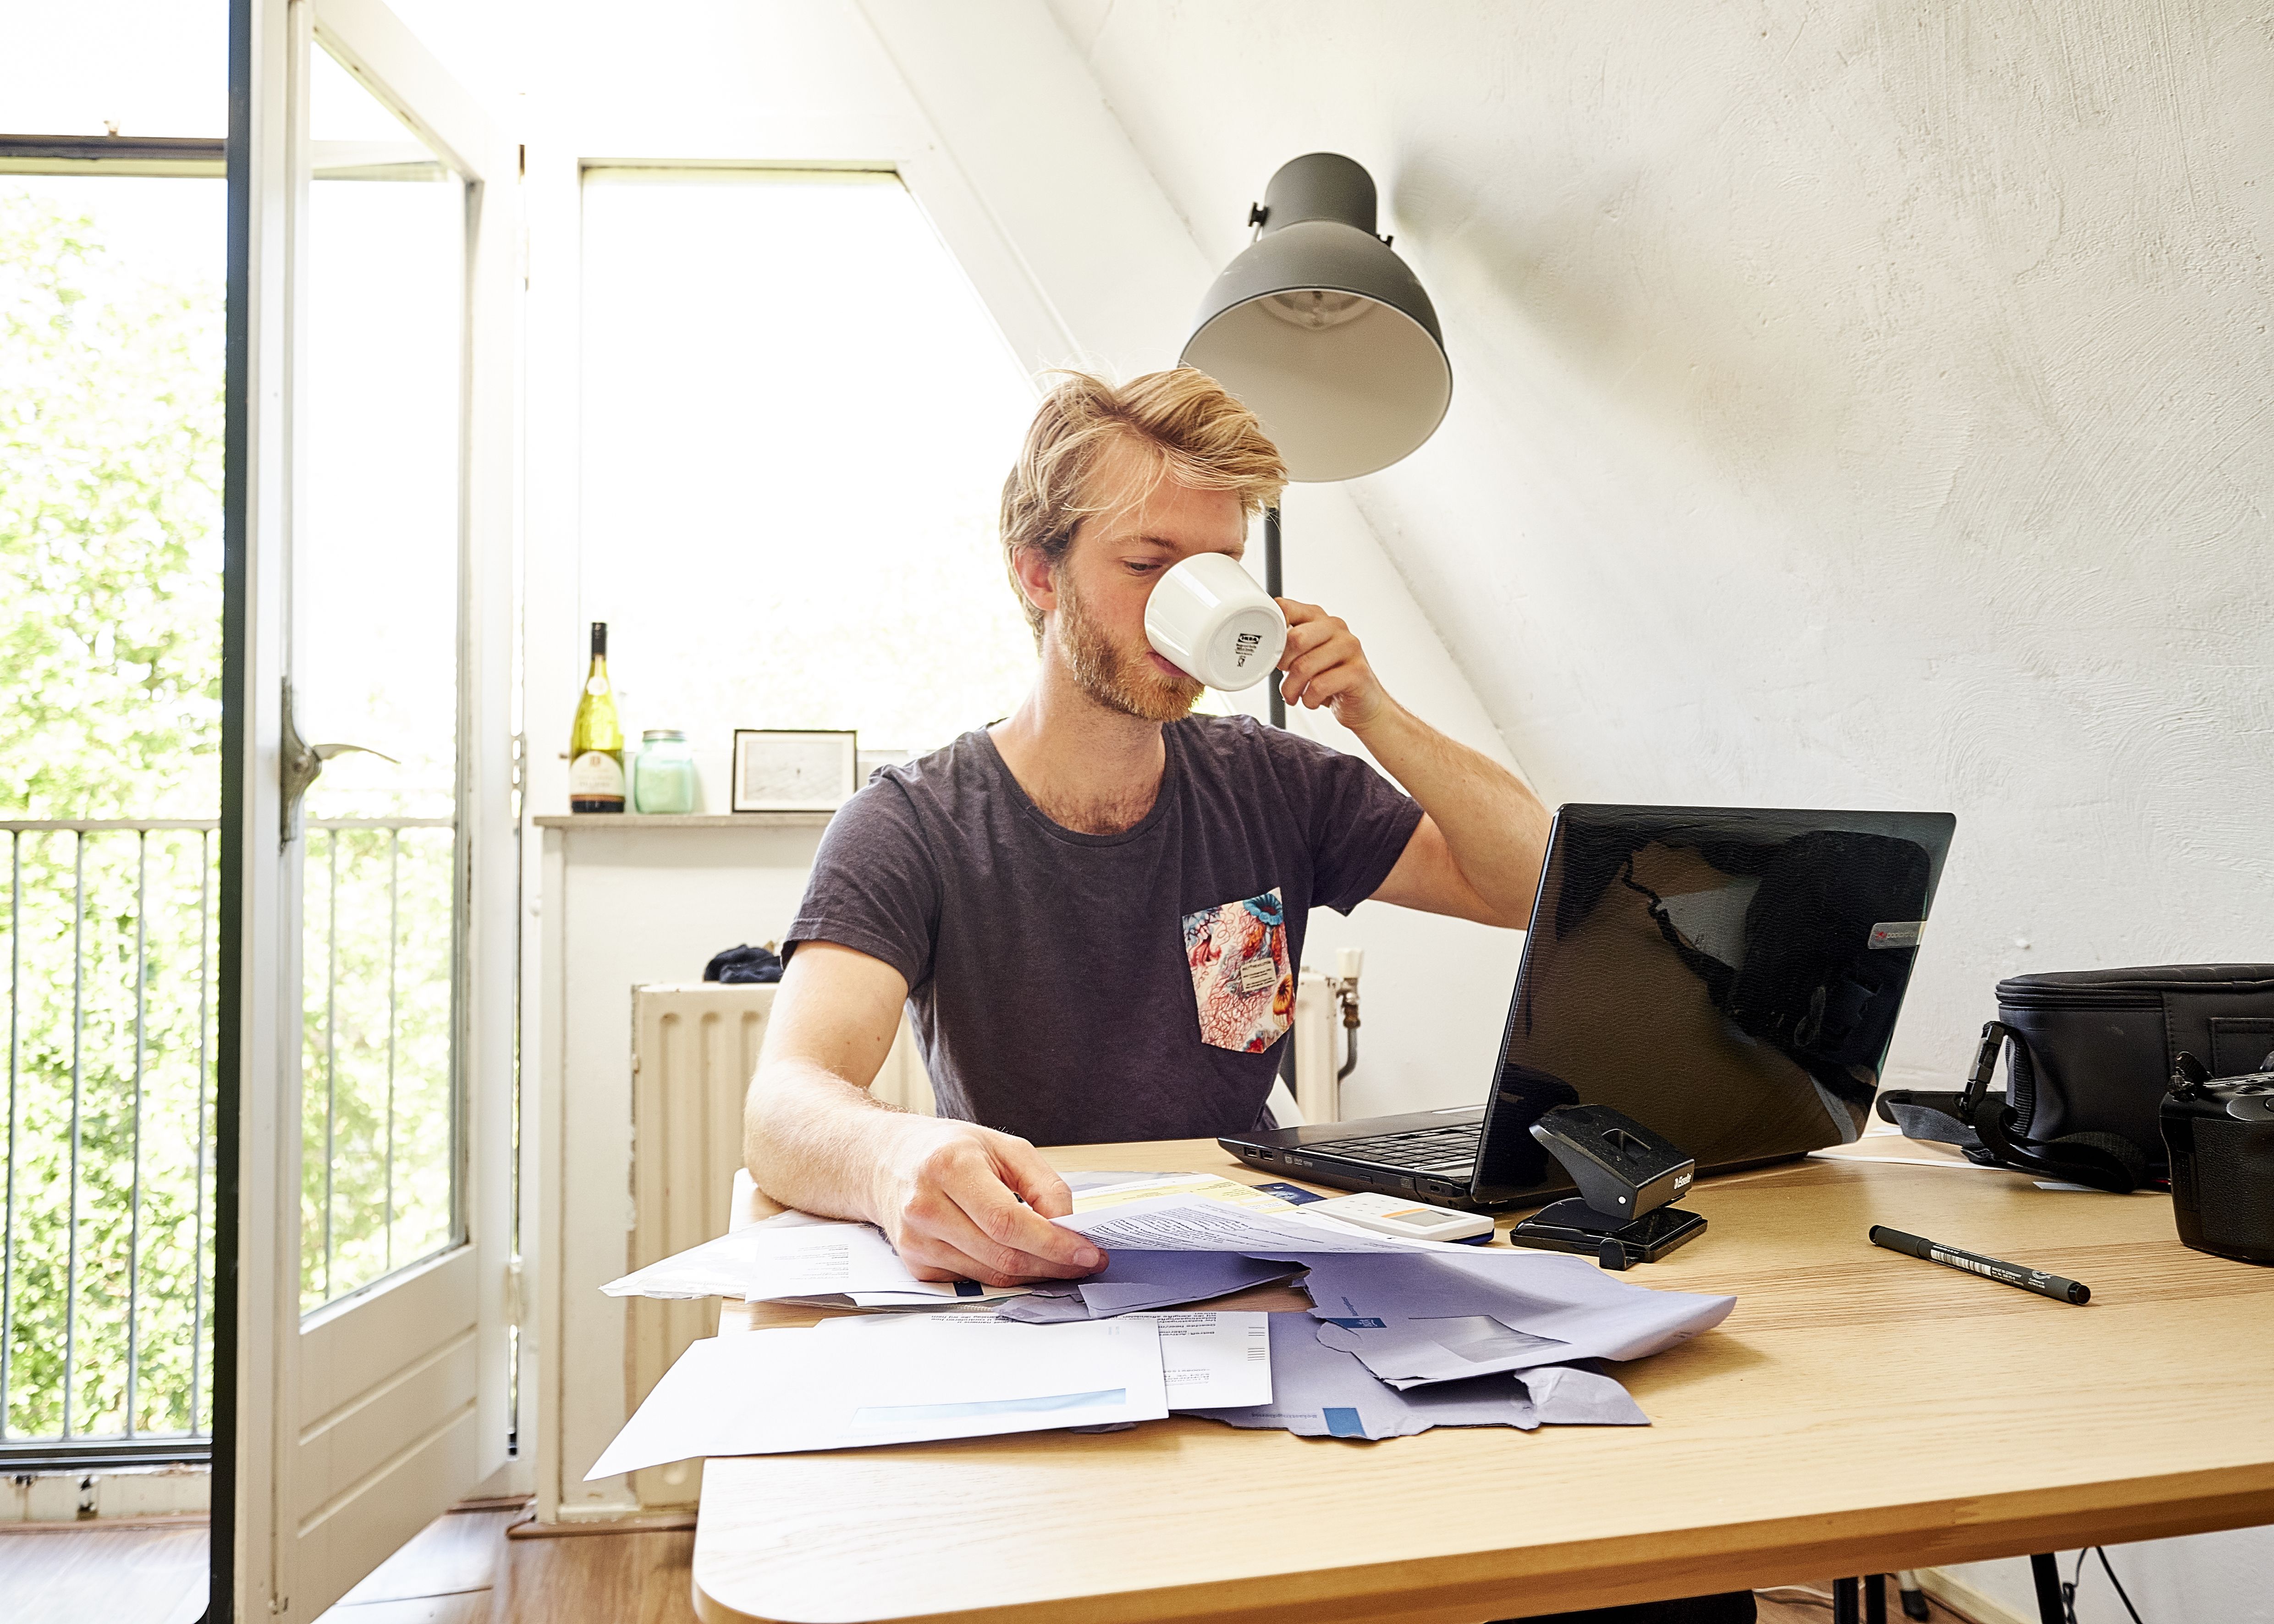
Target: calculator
{"type": "Point", "coordinates": [1407, 1219]}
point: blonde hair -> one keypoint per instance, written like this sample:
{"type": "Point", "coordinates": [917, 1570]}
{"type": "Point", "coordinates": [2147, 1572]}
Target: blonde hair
{"type": "Point", "coordinates": [1189, 427]}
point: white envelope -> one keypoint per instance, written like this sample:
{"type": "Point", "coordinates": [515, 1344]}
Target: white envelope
{"type": "Point", "coordinates": [775, 1391]}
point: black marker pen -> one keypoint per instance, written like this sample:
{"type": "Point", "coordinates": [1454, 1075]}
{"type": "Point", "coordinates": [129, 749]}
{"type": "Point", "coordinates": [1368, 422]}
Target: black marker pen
{"type": "Point", "coordinates": [1974, 1263]}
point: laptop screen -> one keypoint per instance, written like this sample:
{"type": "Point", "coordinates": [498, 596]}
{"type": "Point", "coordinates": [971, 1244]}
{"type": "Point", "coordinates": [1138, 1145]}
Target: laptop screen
{"type": "Point", "coordinates": [1729, 978]}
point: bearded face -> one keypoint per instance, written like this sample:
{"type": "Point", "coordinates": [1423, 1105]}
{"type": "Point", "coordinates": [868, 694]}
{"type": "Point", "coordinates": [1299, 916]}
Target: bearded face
{"type": "Point", "coordinates": [1123, 679]}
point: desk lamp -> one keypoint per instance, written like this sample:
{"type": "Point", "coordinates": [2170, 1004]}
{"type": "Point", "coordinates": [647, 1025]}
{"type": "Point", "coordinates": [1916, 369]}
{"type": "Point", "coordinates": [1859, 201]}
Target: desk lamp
{"type": "Point", "coordinates": [1325, 335]}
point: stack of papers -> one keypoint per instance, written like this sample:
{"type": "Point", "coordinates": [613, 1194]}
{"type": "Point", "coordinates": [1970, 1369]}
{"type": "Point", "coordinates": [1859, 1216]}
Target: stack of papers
{"type": "Point", "coordinates": [795, 1256]}
{"type": "Point", "coordinates": [1402, 1336]}
{"type": "Point", "coordinates": [1319, 1392]}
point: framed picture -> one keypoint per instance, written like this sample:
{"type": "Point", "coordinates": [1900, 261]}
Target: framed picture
{"type": "Point", "coordinates": [795, 769]}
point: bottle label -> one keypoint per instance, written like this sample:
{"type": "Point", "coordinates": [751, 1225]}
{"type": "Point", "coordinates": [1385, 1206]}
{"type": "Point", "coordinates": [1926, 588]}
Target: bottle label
{"type": "Point", "coordinates": [596, 776]}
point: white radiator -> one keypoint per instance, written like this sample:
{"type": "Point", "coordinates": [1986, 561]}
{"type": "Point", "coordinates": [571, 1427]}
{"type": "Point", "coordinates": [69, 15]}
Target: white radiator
{"type": "Point", "coordinates": [1318, 1048]}
{"type": "Point", "coordinates": [693, 1050]}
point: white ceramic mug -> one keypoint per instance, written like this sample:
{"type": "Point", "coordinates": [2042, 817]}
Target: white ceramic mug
{"type": "Point", "coordinates": [1208, 617]}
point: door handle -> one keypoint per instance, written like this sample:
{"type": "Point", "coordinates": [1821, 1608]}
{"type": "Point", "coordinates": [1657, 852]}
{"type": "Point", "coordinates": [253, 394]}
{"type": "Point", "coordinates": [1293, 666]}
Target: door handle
{"type": "Point", "coordinates": [301, 763]}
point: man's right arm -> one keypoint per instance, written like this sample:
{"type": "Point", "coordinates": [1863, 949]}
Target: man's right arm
{"type": "Point", "coordinates": [947, 1193]}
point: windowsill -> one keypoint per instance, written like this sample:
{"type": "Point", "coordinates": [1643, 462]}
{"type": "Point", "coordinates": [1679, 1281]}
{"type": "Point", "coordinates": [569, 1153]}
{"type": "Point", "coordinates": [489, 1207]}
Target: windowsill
{"type": "Point", "coordinates": [685, 820]}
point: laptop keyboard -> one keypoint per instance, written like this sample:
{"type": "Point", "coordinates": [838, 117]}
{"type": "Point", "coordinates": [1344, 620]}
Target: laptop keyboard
{"type": "Point", "coordinates": [1450, 1149]}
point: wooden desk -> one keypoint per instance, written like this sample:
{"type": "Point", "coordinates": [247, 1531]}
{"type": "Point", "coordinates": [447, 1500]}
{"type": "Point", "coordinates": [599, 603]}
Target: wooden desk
{"type": "Point", "coordinates": [1860, 1411]}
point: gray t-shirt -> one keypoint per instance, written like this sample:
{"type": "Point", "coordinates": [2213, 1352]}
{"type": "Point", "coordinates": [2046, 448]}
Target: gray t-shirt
{"type": "Point", "coordinates": [1076, 988]}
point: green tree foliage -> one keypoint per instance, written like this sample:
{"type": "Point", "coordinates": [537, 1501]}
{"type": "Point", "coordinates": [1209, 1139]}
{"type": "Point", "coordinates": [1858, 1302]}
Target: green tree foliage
{"type": "Point", "coordinates": [377, 1142]}
{"type": "Point", "coordinates": [110, 467]}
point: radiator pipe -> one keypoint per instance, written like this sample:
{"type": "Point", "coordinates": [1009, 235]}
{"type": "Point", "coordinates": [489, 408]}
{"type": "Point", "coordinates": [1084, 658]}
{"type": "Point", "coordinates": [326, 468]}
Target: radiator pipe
{"type": "Point", "coordinates": [1345, 988]}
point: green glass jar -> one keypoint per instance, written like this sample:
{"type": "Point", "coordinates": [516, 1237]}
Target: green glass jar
{"type": "Point", "coordinates": [663, 773]}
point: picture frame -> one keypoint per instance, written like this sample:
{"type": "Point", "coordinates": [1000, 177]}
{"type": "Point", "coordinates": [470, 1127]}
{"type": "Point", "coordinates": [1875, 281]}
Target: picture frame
{"type": "Point", "coordinates": [795, 769]}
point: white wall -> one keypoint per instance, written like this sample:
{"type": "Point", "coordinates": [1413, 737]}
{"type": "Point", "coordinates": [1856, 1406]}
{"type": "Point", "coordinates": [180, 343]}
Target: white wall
{"type": "Point", "coordinates": [621, 907]}
{"type": "Point", "coordinates": [2212, 1577]}
{"type": "Point", "coordinates": [1853, 405]}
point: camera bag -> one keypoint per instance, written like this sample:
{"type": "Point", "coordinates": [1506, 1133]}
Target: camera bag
{"type": "Point", "coordinates": [2090, 1054]}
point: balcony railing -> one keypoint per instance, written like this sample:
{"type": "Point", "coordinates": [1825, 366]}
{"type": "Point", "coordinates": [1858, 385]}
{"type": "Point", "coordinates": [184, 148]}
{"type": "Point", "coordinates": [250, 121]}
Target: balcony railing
{"type": "Point", "coordinates": [105, 1276]}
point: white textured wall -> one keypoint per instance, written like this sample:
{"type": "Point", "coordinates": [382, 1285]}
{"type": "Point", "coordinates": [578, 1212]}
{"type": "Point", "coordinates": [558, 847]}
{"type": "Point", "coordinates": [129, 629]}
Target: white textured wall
{"type": "Point", "coordinates": [1854, 405]}
{"type": "Point", "coordinates": [2211, 1579]}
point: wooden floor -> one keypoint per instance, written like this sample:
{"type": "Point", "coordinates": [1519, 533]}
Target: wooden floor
{"type": "Point", "coordinates": [461, 1569]}
{"type": "Point", "coordinates": [103, 1574]}
{"type": "Point", "coordinates": [464, 1570]}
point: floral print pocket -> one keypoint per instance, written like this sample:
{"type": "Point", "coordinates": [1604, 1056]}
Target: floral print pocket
{"type": "Point", "coordinates": [1241, 979]}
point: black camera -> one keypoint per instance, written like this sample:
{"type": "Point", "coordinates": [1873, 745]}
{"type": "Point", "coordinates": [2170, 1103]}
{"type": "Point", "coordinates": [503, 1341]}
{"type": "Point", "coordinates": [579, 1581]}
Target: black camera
{"type": "Point", "coordinates": [2220, 1134]}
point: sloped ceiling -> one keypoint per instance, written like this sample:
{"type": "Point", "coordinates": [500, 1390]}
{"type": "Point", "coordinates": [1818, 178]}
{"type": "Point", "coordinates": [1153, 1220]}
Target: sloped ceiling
{"type": "Point", "coordinates": [1856, 405]}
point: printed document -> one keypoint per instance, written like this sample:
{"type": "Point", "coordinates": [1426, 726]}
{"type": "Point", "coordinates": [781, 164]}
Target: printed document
{"type": "Point", "coordinates": [927, 1378]}
{"type": "Point", "coordinates": [815, 1258]}
{"type": "Point", "coordinates": [1185, 1223]}
{"type": "Point", "coordinates": [1212, 1361]}
{"type": "Point", "coordinates": [1208, 1360]}
{"type": "Point", "coordinates": [1145, 1186]}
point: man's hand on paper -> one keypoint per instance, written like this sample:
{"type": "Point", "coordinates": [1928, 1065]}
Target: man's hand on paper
{"type": "Point", "coordinates": [949, 1198]}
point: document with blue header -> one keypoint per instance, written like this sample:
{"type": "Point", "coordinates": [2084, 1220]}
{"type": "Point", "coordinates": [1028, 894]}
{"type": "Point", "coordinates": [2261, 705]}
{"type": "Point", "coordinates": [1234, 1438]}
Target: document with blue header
{"type": "Point", "coordinates": [929, 1377]}
{"type": "Point", "coordinates": [1210, 1360]}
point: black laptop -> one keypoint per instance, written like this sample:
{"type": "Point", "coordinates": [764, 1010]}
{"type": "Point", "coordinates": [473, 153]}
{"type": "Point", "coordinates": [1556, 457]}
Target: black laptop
{"type": "Point", "coordinates": [1728, 977]}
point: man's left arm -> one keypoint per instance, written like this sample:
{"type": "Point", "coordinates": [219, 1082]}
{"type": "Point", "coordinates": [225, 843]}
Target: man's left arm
{"type": "Point", "coordinates": [1483, 833]}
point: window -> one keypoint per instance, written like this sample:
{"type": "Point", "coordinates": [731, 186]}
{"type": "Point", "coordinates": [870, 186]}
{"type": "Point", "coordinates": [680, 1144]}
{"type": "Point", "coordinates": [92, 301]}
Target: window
{"type": "Point", "coordinates": [797, 418]}
{"type": "Point", "coordinates": [130, 68]}
{"type": "Point", "coordinates": [376, 628]}
{"type": "Point", "coordinates": [112, 269]}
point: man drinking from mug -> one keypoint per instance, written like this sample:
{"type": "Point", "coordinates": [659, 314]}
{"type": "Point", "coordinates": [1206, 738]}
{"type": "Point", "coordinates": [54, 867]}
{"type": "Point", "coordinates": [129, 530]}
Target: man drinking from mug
{"type": "Point", "coordinates": [1095, 909]}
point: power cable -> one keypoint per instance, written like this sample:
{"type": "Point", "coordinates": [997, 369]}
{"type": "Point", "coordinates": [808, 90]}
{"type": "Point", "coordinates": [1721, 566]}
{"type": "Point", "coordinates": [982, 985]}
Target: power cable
{"type": "Point", "coordinates": [2068, 1591]}
{"type": "Point", "coordinates": [2102, 1553]}
{"type": "Point", "coordinates": [1797, 1593]}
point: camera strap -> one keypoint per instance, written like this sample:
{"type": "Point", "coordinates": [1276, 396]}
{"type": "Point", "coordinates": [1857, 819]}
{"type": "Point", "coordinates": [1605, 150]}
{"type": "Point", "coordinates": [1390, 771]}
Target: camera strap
{"type": "Point", "coordinates": [2098, 1161]}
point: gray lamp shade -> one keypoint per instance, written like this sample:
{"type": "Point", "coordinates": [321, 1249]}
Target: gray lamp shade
{"type": "Point", "coordinates": [1322, 331]}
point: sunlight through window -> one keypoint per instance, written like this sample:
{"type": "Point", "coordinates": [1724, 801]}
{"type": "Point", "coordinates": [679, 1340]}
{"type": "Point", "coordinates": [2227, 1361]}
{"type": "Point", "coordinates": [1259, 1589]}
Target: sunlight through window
{"type": "Point", "coordinates": [797, 421]}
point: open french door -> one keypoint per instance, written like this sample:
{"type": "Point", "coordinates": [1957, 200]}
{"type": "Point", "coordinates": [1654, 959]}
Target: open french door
{"type": "Point", "coordinates": [369, 881]}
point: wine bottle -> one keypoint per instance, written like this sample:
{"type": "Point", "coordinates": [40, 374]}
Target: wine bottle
{"type": "Point", "coordinates": [595, 742]}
